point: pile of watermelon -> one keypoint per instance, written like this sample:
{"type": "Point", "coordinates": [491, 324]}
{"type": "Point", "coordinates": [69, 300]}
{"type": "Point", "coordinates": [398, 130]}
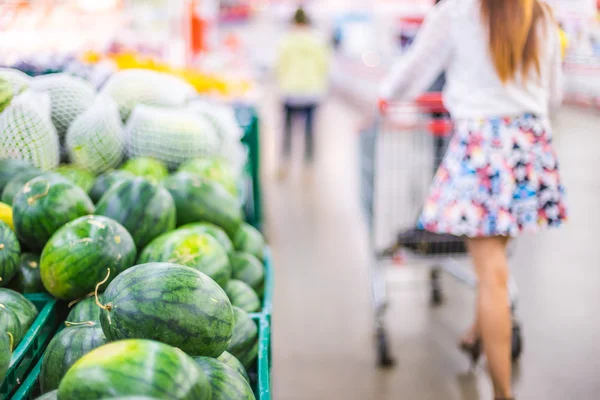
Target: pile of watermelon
{"type": "Point", "coordinates": [159, 268]}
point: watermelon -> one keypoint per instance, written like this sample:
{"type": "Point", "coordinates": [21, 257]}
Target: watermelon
{"type": "Point", "coordinates": [28, 279]}
{"type": "Point", "coordinates": [79, 176]}
{"type": "Point", "coordinates": [106, 180]}
{"type": "Point", "coordinates": [213, 169]}
{"type": "Point", "coordinates": [171, 303]}
{"type": "Point", "coordinates": [16, 183]}
{"type": "Point", "coordinates": [248, 269]}
{"type": "Point", "coordinates": [196, 250]}
{"type": "Point", "coordinates": [49, 396]}
{"type": "Point", "coordinates": [203, 201]}
{"type": "Point", "coordinates": [130, 398]}
{"type": "Point", "coordinates": [9, 322]}
{"type": "Point", "coordinates": [213, 231]}
{"type": "Point", "coordinates": [249, 240]}
{"type": "Point", "coordinates": [226, 382]}
{"type": "Point", "coordinates": [84, 311]}
{"type": "Point", "coordinates": [6, 93]}
{"type": "Point", "coordinates": [135, 367]}
{"type": "Point", "coordinates": [244, 343]}
{"type": "Point", "coordinates": [9, 254]}
{"type": "Point", "coordinates": [25, 309]}
{"type": "Point", "coordinates": [147, 167]}
{"type": "Point", "coordinates": [234, 363]}
{"type": "Point", "coordinates": [45, 204]}
{"type": "Point", "coordinates": [68, 346]}
{"type": "Point", "coordinates": [143, 208]}
{"type": "Point", "coordinates": [6, 344]}
{"type": "Point", "coordinates": [241, 295]}
{"type": "Point", "coordinates": [10, 168]}
{"type": "Point", "coordinates": [77, 257]}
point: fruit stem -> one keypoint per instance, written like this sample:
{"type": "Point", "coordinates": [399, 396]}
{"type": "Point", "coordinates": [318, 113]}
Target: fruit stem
{"type": "Point", "coordinates": [107, 307]}
{"type": "Point", "coordinates": [12, 340]}
{"type": "Point", "coordinates": [71, 304]}
{"type": "Point", "coordinates": [88, 323]}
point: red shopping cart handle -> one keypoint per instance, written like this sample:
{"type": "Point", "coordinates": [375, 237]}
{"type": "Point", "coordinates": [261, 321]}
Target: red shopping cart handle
{"type": "Point", "coordinates": [440, 127]}
{"type": "Point", "coordinates": [431, 102]}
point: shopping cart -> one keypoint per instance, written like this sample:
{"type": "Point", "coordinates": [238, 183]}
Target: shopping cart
{"type": "Point", "coordinates": [399, 155]}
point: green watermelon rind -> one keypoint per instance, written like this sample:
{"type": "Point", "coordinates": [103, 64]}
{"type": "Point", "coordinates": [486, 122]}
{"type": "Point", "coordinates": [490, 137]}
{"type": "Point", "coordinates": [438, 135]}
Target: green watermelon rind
{"type": "Point", "coordinates": [15, 184]}
{"type": "Point", "coordinates": [26, 311]}
{"type": "Point", "coordinates": [9, 168]}
{"type": "Point", "coordinates": [85, 310]}
{"type": "Point", "coordinates": [53, 395]}
{"type": "Point", "coordinates": [248, 239]}
{"type": "Point", "coordinates": [234, 363]}
{"type": "Point", "coordinates": [10, 250]}
{"type": "Point", "coordinates": [9, 322]}
{"type": "Point", "coordinates": [106, 181]}
{"type": "Point", "coordinates": [226, 382]}
{"type": "Point", "coordinates": [247, 268]}
{"type": "Point", "coordinates": [242, 295]}
{"type": "Point", "coordinates": [5, 354]}
{"type": "Point", "coordinates": [27, 280]}
{"type": "Point", "coordinates": [146, 167]}
{"type": "Point", "coordinates": [79, 176]}
{"type": "Point", "coordinates": [244, 342]}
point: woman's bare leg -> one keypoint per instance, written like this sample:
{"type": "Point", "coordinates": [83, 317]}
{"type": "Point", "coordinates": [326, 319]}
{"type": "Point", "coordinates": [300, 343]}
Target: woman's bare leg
{"type": "Point", "coordinates": [493, 309]}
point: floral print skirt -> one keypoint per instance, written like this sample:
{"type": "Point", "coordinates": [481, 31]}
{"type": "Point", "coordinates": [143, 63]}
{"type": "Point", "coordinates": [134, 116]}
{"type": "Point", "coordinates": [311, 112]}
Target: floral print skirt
{"type": "Point", "coordinates": [499, 177]}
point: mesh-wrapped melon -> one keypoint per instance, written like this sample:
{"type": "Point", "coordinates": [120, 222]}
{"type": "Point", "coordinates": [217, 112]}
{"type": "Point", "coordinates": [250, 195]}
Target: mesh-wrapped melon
{"type": "Point", "coordinates": [95, 139]}
{"type": "Point", "coordinates": [69, 96]}
{"type": "Point", "coordinates": [26, 132]}
{"type": "Point", "coordinates": [172, 136]}
{"type": "Point", "coordinates": [6, 93]}
{"type": "Point", "coordinates": [139, 86]}
{"type": "Point", "coordinates": [19, 80]}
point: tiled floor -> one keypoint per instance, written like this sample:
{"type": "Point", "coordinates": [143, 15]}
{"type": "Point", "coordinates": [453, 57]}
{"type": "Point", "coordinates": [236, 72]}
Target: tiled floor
{"type": "Point", "coordinates": [323, 344]}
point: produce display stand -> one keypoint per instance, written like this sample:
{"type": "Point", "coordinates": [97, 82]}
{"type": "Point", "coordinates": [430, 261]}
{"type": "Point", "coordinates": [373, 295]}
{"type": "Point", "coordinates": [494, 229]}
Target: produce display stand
{"type": "Point", "coordinates": [29, 351]}
{"type": "Point", "coordinates": [248, 120]}
{"type": "Point", "coordinates": [269, 283]}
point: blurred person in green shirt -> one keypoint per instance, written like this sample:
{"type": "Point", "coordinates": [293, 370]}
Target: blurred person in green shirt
{"type": "Point", "coordinates": [302, 77]}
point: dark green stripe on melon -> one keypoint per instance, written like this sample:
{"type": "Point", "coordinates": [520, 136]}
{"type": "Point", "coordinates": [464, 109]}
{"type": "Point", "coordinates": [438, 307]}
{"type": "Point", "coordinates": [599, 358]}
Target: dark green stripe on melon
{"type": "Point", "coordinates": [197, 200]}
{"type": "Point", "coordinates": [85, 310]}
{"type": "Point", "coordinates": [45, 204]}
{"type": "Point", "coordinates": [249, 240]}
{"type": "Point", "coordinates": [226, 383]}
{"type": "Point", "coordinates": [135, 367]}
{"type": "Point", "coordinates": [15, 184]}
{"type": "Point", "coordinates": [234, 363]}
{"type": "Point", "coordinates": [170, 303]}
{"type": "Point", "coordinates": [106, 181]}
{"type": "Point", "coordinates": [5, 354]}
{"type": "Point", "coordinates": [27, 279]}
{"type": "Point", "coordinates": [247, 268]}
{"type": "Point", "coordinates": [212, 230]}
{"type": "Point", "coordinates": [10, 168]}
{"type": "Point", "coordinates": [243, 296]}
{"type": "Point", "coordinates": [193, 249]}
{"type": "Point", "coordinates": [25, 309]}
{"type": "Point", "coordinates": [53, 395]}
{"type": "Point", "coordinates": [79, 176]}
{"type": "Point", "coordinates": [79, 254]}
{"type": "Point", "coordinates": [244, 343]}
{"type": "Point", "coordinates": [10, 251]}
{"type": "Point", "coordinates": [144, 209]}
{"type": "Point", "coordinates": [9, 322]}
{"type": "Point", "coordinates": [68, 346]}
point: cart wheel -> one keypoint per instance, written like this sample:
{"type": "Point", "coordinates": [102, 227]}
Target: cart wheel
{"type": "Point", "coordinates": [384, 359]}
{"type": "Point", "coordinates": [517, 342]}
{"type": "Point", "coordinates": [437, 297]}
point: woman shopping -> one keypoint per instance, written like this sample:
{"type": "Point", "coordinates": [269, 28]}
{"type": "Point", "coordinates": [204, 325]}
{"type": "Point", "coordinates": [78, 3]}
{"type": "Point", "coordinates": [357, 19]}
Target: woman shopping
{"type": "Point", "coordinates": [499, 178]}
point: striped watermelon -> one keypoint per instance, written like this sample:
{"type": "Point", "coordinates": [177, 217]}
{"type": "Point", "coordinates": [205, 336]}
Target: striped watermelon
{"type": "Point", "coordinates": [171, 303]}
{"type": "Point", "coordinates": [5, 354]}
{"type": "Point", "coordinates": [248, 239]}
{"type": "Point", "coordinates": [68, 346]}
{"type": "Point", "coordinates": [248, 269]}
{"type": "Point", "coordinates": [9, 322]}
{"type": "Point", "coordinates": [135, 367]}
{"type": "Point", "coordinates": [150, 168]}
{"type": "Point", "coordinates": [6, 94]}
{"type": "Point", "coordinates": [84, 311]}
{"type": "Point", "coordinates": [106, 180]}
{"type": "Point", "coordinates": [197, 200]}
{"type": "Point", "coordinates": [234, 363]}
{"type": "Point", "coordinates": [10, 250]}
{"type": "Point", "coordinates": [143, 208]}
{"type": "Point", "coordinates": [53, 395]}
{"type": "Point", "coordinates": [212, 230]}
{"type": "Point", "coordinates": [79, 176]}
{"type": "Point", "coordinates": [78, 255]}
{"type": "Point", "coordinates": [25, 309]}
{"type": "Point", "coordinates": [213, 169]}
{"type": "Point", "coordinates": [10, 168]}
{"type": "Point", "coordinates": [45, 204]}
{"type": "Point", "coordinates": [226, 383]}
{"type": "Point", "coordinates": [244, 343]}
{"type": "Point", "coordinates": [15, 184]}
{"type": "Point", "coordinates": [28, 279]}
{"type": "Point", "coordinates": [196, 250]}
{"type": "Point", "coordinates": [241, 295]}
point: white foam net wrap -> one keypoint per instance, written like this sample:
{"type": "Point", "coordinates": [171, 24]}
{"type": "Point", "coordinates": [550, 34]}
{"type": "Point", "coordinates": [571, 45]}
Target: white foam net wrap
{"type": "Point", "coordinates": [95, 140]}
{"type": "Point", "coordinates": [137, 86]}
{"type": "Point", "coordinates": [172, 136]}
{"type": "Point", "coordinates": [26, 132]}
{"type": "Point", "coordinates": [19, 80]}
{"type": "Point", "coordinates": [70, 96]}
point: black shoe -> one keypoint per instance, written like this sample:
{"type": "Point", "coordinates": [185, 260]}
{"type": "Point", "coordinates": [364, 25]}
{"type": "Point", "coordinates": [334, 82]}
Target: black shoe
{"type": "Point", "coordinates": [473, 350]}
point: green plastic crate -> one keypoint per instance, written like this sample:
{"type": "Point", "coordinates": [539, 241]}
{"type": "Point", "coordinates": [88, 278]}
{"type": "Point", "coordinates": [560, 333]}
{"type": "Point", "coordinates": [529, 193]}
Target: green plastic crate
{"type": "Point", "coordinates": [29, 351]}
{"type": "Point", "coordinates": [248, 120]}
{"type": "Point", "coordinates": [260, 374]}
{"type": "Point", "coordinates": [269, 282]}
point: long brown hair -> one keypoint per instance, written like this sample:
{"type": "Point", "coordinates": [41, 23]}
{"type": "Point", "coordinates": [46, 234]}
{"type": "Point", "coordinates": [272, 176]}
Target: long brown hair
{"type": "Point", "coordinates": [513, 35]}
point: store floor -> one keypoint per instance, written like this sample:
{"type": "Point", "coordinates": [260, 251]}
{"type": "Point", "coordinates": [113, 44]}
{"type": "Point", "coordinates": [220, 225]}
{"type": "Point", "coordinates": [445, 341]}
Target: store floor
{"type": "Point", "coordinates": [322, 338]}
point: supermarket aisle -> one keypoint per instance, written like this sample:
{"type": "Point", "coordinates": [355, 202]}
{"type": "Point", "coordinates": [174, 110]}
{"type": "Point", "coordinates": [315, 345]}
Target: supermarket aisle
{"type": "Point", "coordinates": [322, 319]}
